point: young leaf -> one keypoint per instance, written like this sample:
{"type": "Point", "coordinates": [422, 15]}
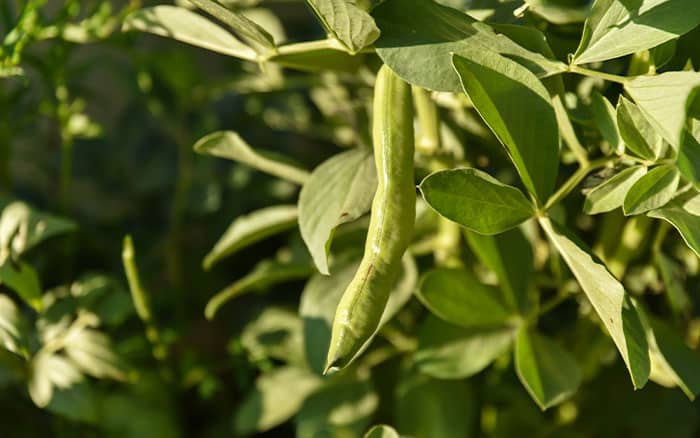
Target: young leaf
{"type": "Point", "coordinates": [618, 27]}
{"type": "Point", "coordinates": [509, 255]}
{"type": "Point", "coordinates": [184, 25]}
{"type": "Point", "coordinates": [638, 134]}
{"type": "Point", "coordinates": [611, 193]}
{"type": "Point", "coordinates": [476, 200]}
{"type": "Point", "coordinates": [381, 431]}
{"type": "Point", "coordinates": [340, 190]}
{"type": "Point", "coordinates": [686, 223]}
{"type": "Point", "coordinates": [606, 120]}
{"type": "Point", "coordinates": [341, 408]}
{"type": "Point", "coordinates": [419, 37]}
{"type": "Point", "coordinates": [517, 108]}
{"type": "Point", "coordinates": [343, 19]}
{"type": "Point", "coordinates": [322, 294]}
{"type": "Point", "coordinates": [548, 372]}
{"type": "Point", "coordinates": [277, 396]}
{"type": "Point", "coordinates": [239, 23]}
{"type": "Point", "coordinates": [230, 145]}
{"type": "Point", "coordinates": [447, 351]}
{"type": "Point", "coordinates": [674, 357]}
{"type": "Point", "coordinates": [664, 99]}
{"type": "Point", "coordinates": [251, 228]}
{"type": "Point", "coordinates": [652, 190]}
{"type": "Point", "coordinates": [608, 298]}
{"type": "Point", "coordinates": [457, 296]}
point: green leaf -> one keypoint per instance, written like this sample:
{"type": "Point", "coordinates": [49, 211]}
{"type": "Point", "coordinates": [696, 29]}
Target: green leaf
{"type": "Point", "coordinates": [509, 255]}
{"type": "Point", "coordinates": [548, 372]}
{"type": "Point", "coordinates": [277, 396]}
{"type": "Point", "coordinates": [689, 159]}
{"type": "Point", "coordinates": [476, 200]}
{"type": "Point", "coordinates": [344, 407]}
{"type": "Point", "coordinates": [246, 28]}
{"type": "Point", "coordinates": [343, 19]}
{"type": "Point", "coordinates": [10, 325]}
{"type": "Point", "coordinates": [91, 351]}
{"type": "Point", "coordinates": [608, 298]}
{"type": "Point", "coordinates": [265, 274]}
{"type": "Point", "coordinates": [24, 280]}
{"type": "Point", "coordinates": [340, 190]}
{"type": "Point", "coordinates": [381, 431]}
{"type": "Point", "coordinates": [447, 351]}
{"type": "Point", "coordinates": [251, 228]}
{"type": "Point", "coordinates": [606, 120]}
{"type": "Point", "coordinates": [672, 275]}
{"type": "Point", "coordinates": [48, 370]}
{"type": "Point", "coordinates": [322, 294]}
{"type": "Point", "coordinates": [419, 37]}
{"type": "Point", "coordinates": [517, 108]}
{"type": "Point", "coordinates": [620, 27]}
{"type": "Point", "coordinates": [77, 403]}
{"type": "Point", "coordinates": [427, 407]}
{"type": "Point", "coordinates": [276, 333]}
{"type": "Point", "coordinates": [22, 228]}
{"type": "Point", "coordinates": [184, 25]}
{"type": "Point", "coordinates": [686, 223]}
{"type": "Point", "coordinates": [664, 99]}
{"type": "Point", "coordinates": [556, 12]}
{"type": "Point", "coordinates": [637, 133]}
{"type": "Point", "coordinates": [230, 145]}
{"type": "Point", "coordinates": [673, 357]}
{"type": "Point", "coordinates": [456, 296]}
{"type": "Point", "coordinates": [314, 56]}
{"type": "Point", "coordinates": [611, 193]}
{"type": "Point", "coordinates": [652, 190]}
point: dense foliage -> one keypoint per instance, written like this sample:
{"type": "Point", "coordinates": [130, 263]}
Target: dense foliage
{"type": "Point", "coordinates": [180, 221]}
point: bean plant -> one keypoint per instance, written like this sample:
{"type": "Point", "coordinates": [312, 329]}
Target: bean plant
{"type": "Point", "coordinates": [387, 218]}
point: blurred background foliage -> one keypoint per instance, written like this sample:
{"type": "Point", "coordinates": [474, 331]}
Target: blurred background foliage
{"type": "Point", "coordinates": [96, 135]}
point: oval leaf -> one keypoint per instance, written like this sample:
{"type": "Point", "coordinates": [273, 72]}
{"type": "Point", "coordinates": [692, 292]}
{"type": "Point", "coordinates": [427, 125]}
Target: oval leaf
{"type": "Point", "coordinates": [652, 190]}
{"type": "Point", "coordinates": [382, 431]}
{"type": "Point", "coordinates": [611, 193]}
{"type": "Point", "coordinates": [343, 19]}
{"type": "Point", "coordinates": [456, 296]}
{"type": "Point", "coordinates": [339, 191]}
{"type": "Point", "coordinates": [638, 134]}
{"type": "Point", "coordinates": [476, 200]}
{"type": "Point", "coordinates": [548, 372]}
{"type": "Point", "coordinates": [685, 222]}
{"type": "Point", "coordinates": [517, 108]}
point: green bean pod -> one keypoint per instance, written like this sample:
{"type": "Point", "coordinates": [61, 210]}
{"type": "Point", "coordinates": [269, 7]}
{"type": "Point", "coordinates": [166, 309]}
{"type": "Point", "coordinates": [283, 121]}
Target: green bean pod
{"type": "Point", "coordinates": [360, 309]}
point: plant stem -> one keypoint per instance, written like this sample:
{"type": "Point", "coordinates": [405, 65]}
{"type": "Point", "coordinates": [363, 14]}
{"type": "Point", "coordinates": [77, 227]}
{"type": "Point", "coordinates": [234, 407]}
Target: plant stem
{"type": "Point", "coordinates": [600, 75]}
{"type": "Point", "coordinates": [575, 179]}
{"type": "Point", "coordinates": [428, 141]}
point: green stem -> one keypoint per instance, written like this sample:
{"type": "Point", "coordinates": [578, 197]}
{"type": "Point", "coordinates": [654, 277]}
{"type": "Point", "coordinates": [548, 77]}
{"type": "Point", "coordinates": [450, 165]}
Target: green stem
{"type": "Point", "coordinates": [600, 75]}
{"type": "Point", "coordinates": [428, 141]}
{"type": "Point", "coordinates": [576, 179]}
{"type": "Point", "coordinates": [660, 235]}
{"type": "Point", "coordinates": [568, 133]}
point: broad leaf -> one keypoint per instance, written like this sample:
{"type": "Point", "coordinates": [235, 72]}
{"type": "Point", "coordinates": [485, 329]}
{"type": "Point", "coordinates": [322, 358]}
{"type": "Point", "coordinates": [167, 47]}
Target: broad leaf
{"type": "Point", "coordinates": [230, 145]}
{"type": "Point", "coordinates": [22, 228]}
{"type": "Point", "coordinates": [606, 120]}
{"type": "Point", "coordinates": [509, 255]}
{"type": "Point", "coordinates": [277, 396]}
{"type": "Point", "coordinates": [91, 351]}
{"type": "Point", "coordinates": [419, 37]}
{"type": "Point", "coordinates": [652, 190]}
{"type": "Point", "coordinates": [24, 280]}
{"type": "Point", "coordinates": [314, 56]}
{"type": "Point", "coordinates": [476, 200]}
{"type": "Point", "coordinates": [620, 27]}
{"type": "Point", "coordinates": [559, 12]}
{"type": "Point", "coordinates": [548, 372]}
{"type": "Point", "coordinates": [447, 351]}
{"type": "Point", "coordinates": [689, 159]}
{"type": "Point", "coordinates": [428, 407]}
{"type": "Point", "coordinates": [322, 294]}
{"type": "Point", "coordinates": [242, 25]}
{"type": "Point", "coordinates": [184, 25]}
{"type": "Point", "coordinates": [251, 228]}
{"type": "Point", "coordinates": [47, 371]}
{"type": "Point", "coordinates": [664, 99]}
{"type": "Point", "coordinates": [611, 193]}
{"type": "Point", "coordinates": [381, 431]}
{"type": "Point", "coordinates": [457, 296]}
{"type": "Point", "coordinates": [517, 108]}
{"type": "Point", "coordinates": [343, 407]}
{"type": "Point", "coordinates": [347, 22]}
{"type": "Point", "coordinates": [686, 223]}
{"type": "Point", "coordinates": [673, 357]}
{"type": "Point", "coordinates": [637, 133]}
{"type": "Point", "coordinates": [608, 298]}
{"type": "Point", "coordinates": [340, 190]}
